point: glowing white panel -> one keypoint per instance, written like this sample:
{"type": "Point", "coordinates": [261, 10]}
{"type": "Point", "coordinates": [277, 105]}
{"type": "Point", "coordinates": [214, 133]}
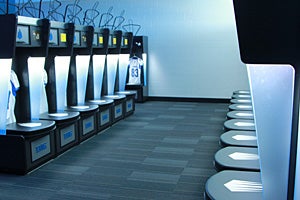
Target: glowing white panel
{"type": "Point", "coordinates": [243, 186]}
{"type": "Point", "coordinates": [244, 106]}
{"type": "Point", "coordinates": [30, 124]}
{"type": "Point", "coordinates": [112, 96]}
{"type": "Point", "coordinates": [144, 56]}
{"type": "Point", "coordinates": [244, 96]}
{"type": "Point", "coordinates": [4, 84]}
{"type": "Point", "coordinates": [244, 114]}
{"type": "Point", "coordinates": [112, 63]}
{"type": "Point", "coordinates": [244, 100]}
{"type": "Point", "coordinates": [80, 107]}
{"type": "Point", "coordinates": [243, 124]}
{"type": "Point", "coordinates": [123, 65]}
{"type": "Point", "coordinates": [97, 101]}
{"type": "Point", "coordinates": [244, 92]}
{"type": "Point", "coordinates": [124, 92]}
{"type": "Point", "coordinates": [62, 64]}
{"type": "Point", "coordinates": [98, 67]}
{"type": "Point", "coordinates": [58, 114]}
{"type": "Point", "coordinates": [244, 137]}
{"type": "Point", "coordinates": [35, 72]}
{"type": "Point", "coordinates": [272, 89]}
{"type": "Point", "coordinates": [243, 156]}
{"type": "Point", "coordinates": [82, 68]}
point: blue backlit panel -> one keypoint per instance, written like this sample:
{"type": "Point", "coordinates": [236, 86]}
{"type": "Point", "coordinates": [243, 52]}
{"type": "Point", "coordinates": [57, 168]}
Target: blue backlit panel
{"type": "Point", "coordinates": [82, 67]}
{"type": "Point", "coordinates": [62, 64]}
{"type": "Point", "coordinates": [104, 117]}
{"type": "Point", "coordinates": [112, 63]}
{"type": "Point", "coordinates": [36, 85]}
{"type": "Point", "coordinates": [144, 55]}
{"type": "Point", "coordinates": [123, 65]}
{"type": "Point", "coordinates": [40, 148]}
{"type": "Point", "coordinates": [4, 84]}
{"type": "Point", "coordinates": [67, 135]}
{"type": "Point", "coordinates": [53, 36]}
{"type": "Point", "coordinates": [98, 67]}
{"type": "Point", "coordinates": [22, 34]}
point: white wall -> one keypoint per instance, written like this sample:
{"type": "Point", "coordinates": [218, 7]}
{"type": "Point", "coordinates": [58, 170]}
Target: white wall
{"type": "Point", "coordinates": [193, 48]}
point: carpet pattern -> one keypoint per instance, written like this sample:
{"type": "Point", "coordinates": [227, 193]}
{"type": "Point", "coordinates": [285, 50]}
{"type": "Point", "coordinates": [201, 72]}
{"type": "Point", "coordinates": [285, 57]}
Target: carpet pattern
{"type": "Point", "coordinates": [164, 150]}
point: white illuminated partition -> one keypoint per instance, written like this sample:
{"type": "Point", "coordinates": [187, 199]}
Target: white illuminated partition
{"type": "Point", "coordinates": [123, 65]}
{"type": "Point", "coordinates": [82, 67]}
{"type": "Point", "coordinates": [35, 73]}
{"type": "Point", "coordinates": [62, 64]}
{"type": "Point", "coordinates": [112, 62]}
{"type": "Point", "coordinates": [5, 65]}
{"type": "Point", "coordinates": [145, 68]}
{"type": "Point", "coordinates": [98, 67]}
{"type": "Point", "coordinates": [272, 89]}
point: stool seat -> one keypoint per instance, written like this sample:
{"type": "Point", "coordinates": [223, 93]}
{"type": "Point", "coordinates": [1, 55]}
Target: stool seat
{"type": "Point", "coordinates": [242, 92]}
{"type": "Point", "coordinates": [230, 184]}
{"type": "Point", "coordinates": [241, 96]}
{"type": "Point", "coordinates": [241, 107]}
{"type": "Point", "coordinates": [237, 158]}
{"type": "Point", "coordinates": [239, 138]}
{"type": "Point", "coordinates": [236, 114]}
{"type": "Point", "coordinates": [239, 124]}
{"type": "Point", "coordinates": [241, 101]}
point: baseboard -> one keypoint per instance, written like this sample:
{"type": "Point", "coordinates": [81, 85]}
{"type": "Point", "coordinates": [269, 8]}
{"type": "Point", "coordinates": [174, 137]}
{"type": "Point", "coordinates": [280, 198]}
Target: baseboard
{"type": "Point", "coordinates": [184, 99]}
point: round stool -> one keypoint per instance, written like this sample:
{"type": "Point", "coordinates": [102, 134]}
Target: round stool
{"type": "Point", "coordinates": [241, 101]}
{"type": "Point", "coordinates": [240, 115]}
{"type": "Point", "coordinates": [239, 124]}
{"type": "Point", "coordinates": [237, 158]}
{"type": "Point", "coordinates": [241, 96]}
{"type": "Point", "coordinates": [242, 107]}
{"type": "Point", "coordinates": [230, 184]}
{"type": "Point", "coordinates": [242, 92]}
{"type": "Point", "coordinates": [239, 138]}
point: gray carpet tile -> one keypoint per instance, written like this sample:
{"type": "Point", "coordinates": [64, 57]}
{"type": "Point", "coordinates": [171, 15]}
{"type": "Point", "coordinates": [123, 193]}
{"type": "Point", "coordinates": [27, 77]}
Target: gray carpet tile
{"type": "Point", "coordinates": [164, 150]}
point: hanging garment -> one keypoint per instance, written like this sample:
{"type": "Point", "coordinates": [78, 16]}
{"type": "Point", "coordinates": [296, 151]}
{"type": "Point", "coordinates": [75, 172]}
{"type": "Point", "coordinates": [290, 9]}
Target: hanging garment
{"type": "Point", "coordinates": [12, 93]}
{"type": "Point", "coordinates": [135, 71]}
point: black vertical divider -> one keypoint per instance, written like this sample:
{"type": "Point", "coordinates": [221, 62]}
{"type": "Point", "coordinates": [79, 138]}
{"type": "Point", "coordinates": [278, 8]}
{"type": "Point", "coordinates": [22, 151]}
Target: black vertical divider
{"type": "Point", "coordinates": [106, 37]}
{"type": "Point", "coordinates": [104, 84]}
{"type": "Point", "coordinates": [98, 49]}
{"type": "Point", "coordinates": [119, 44]}
{"type": "Point", "coordinates": [115, 48]}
